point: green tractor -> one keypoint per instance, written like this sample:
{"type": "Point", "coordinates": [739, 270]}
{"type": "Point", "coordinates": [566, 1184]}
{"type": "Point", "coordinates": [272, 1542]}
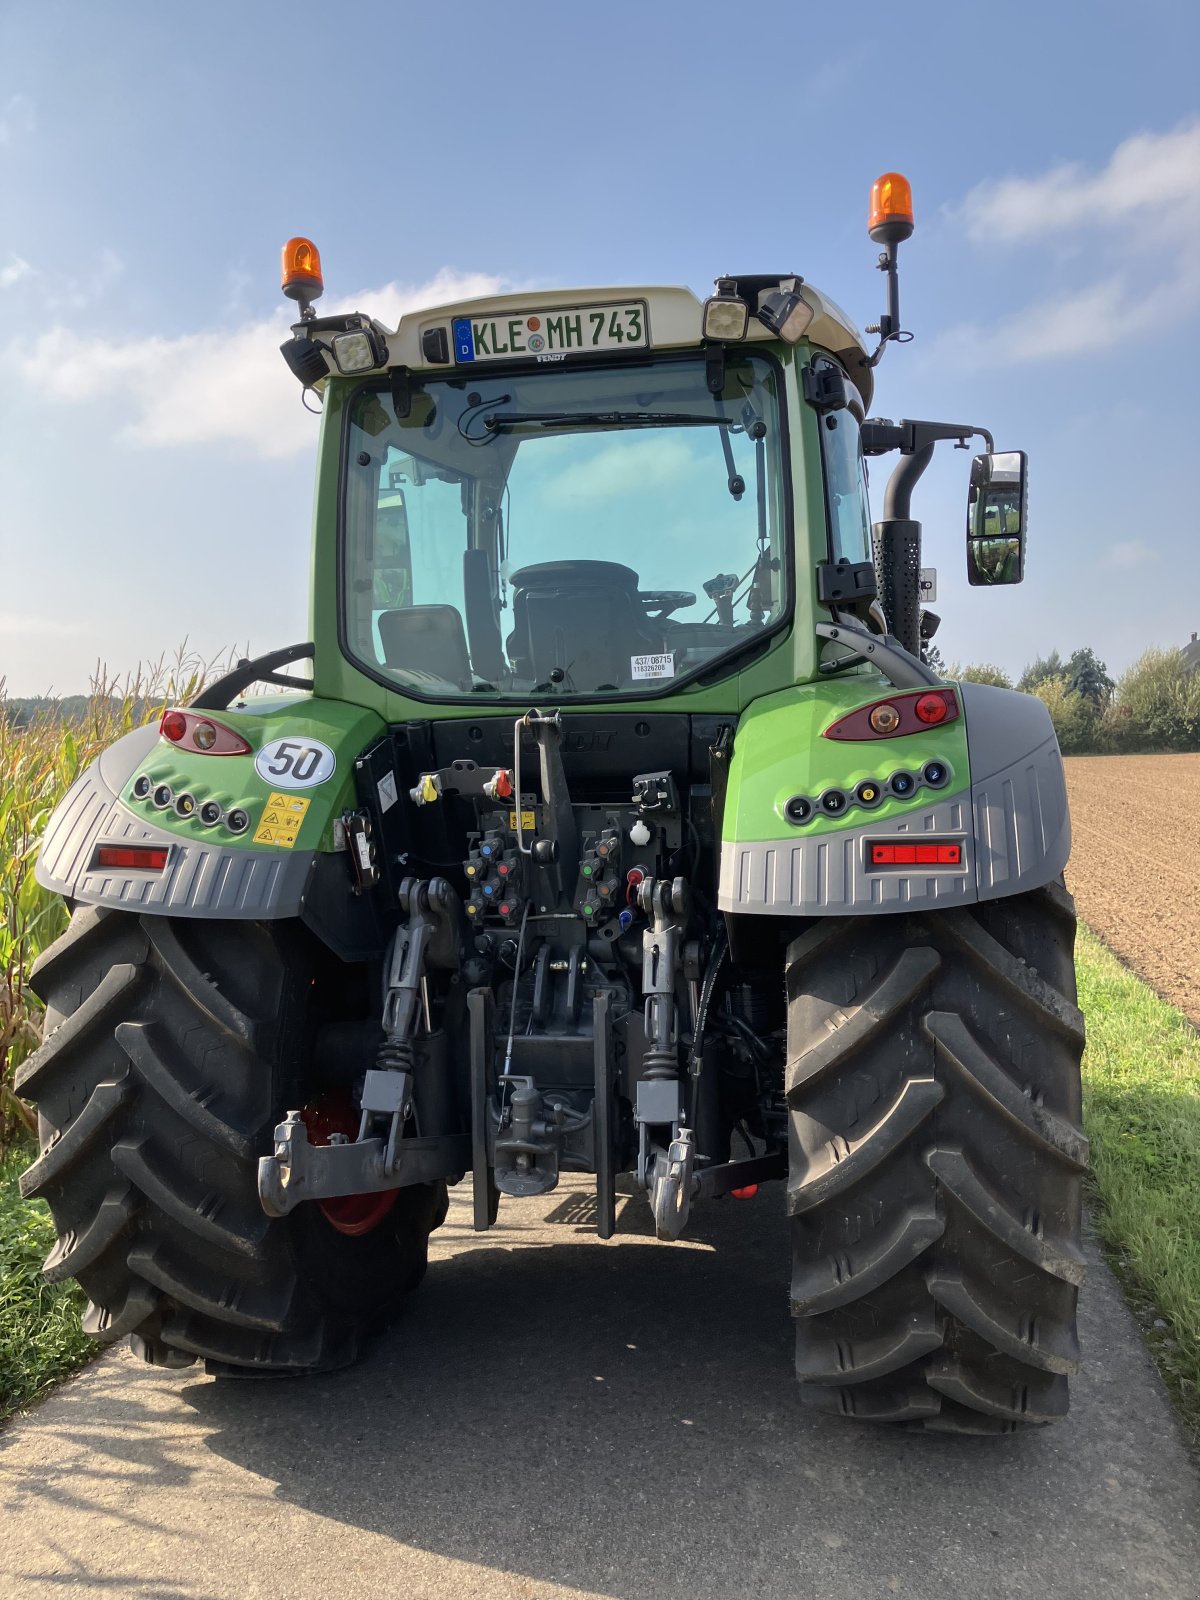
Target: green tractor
{"type": "Point", "coordinates": [621, 830]}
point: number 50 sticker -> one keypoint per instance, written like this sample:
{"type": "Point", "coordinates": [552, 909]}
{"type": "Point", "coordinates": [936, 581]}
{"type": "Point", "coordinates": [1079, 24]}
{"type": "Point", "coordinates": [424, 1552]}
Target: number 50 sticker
{"type": "Point", "coordinates": [295, 763]}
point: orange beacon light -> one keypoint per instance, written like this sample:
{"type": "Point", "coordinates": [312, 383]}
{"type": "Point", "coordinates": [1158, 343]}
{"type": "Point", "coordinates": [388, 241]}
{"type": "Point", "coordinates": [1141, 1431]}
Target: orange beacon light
{"type": "Point", "coordinates": [302, 271]}
{"type": "Point", "coordinates": [891, 215]}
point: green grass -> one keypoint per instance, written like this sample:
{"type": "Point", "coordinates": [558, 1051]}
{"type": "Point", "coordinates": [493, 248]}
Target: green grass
{"type": "Point", "coordinates": [1141, 1106]}
{"type": "Point", "coordinates": [40, 1338]}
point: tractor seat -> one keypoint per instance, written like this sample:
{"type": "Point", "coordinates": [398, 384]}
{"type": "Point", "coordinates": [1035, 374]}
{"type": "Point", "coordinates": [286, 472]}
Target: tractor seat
{"type": "Point", "coordinates": [428, 640]}
{"type": "Point", "coordinates": [583, 618]}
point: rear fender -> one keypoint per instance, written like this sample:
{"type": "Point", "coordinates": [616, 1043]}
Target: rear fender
{"type": "Point", "coordinates": [212, 871]}
{"type": "Point", "coordinates": [1005, 803]}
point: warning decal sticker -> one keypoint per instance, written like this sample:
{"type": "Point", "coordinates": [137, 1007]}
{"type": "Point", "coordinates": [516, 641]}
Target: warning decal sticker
{"type": "Point", "coordinates": [281, 819]}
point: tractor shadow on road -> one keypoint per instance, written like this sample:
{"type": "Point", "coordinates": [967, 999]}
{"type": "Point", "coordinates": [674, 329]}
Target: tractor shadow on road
{"type": "Point", "coordinates": [622, 1418]}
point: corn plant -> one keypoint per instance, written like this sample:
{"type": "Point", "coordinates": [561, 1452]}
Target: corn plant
{"type": "Point", "coordinates": [39, 760]}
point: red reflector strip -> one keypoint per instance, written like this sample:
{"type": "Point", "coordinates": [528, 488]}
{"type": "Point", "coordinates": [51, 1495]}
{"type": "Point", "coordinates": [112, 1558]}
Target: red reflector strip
{"type": "Point", "coordinates": [145, 858]}
{"type": "Point", "coordinates": [916, 855]}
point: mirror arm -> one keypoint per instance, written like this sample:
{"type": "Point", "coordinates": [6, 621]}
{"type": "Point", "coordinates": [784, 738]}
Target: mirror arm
{"type": "Point", "coordinates": [879, 435]}
{"type": "Point", "coordinates": [902, 669]}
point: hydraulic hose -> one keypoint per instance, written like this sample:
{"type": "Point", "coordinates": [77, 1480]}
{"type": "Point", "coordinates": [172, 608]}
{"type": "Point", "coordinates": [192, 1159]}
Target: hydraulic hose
{"type": "Point", "coordinates": [715, 962]}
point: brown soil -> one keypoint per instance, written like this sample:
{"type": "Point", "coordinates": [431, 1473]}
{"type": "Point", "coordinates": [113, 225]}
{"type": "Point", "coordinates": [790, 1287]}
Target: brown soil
{"type": "Point", "coordinates": [1135, 865]}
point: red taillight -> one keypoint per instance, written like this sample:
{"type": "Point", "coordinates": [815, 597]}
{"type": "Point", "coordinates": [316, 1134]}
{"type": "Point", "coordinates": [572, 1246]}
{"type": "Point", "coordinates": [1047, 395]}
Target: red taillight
{"type": "Point", "coordinates": [932, 708]}
{"type": "Point", "coordinates": [897, 715]}
{"type": "Point", "coordinates": [201, 734]}
{"type": "Point", "coordinates": [916, 855]}
{"type": "Point", "coordinates": [746, 1192]}
{"type": "Point", "coordinates": [141, 857]}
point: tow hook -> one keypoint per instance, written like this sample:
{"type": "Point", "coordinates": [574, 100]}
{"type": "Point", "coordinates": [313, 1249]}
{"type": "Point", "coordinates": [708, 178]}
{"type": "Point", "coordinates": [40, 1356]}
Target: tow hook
{"type": "Point", "coordinates": [671, 1185]}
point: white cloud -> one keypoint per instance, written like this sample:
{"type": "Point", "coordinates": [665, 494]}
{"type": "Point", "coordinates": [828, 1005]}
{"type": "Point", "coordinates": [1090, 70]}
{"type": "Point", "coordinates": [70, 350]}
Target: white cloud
{"type": "Point", "coordinates": [1151, 178]}
{"type": "Point", "coordinates": [14, 624]}
{"type": "Point", "coordinates": [16, 269]}
{"type": "Point", "coordinates": [1070, 325]}
{"type": "Point", "coordinates": [1129, 553]}
{"type": "Point", "coordinates": [66, 294]}
{"type": "Point", "coordinates": [636, 466]}
{"type": "Point", "coordinates": [223, 386]}
{"type": "Point", "coordinates": [16, 118]}
{"type": "Point", "coordinates": [1139, 233]}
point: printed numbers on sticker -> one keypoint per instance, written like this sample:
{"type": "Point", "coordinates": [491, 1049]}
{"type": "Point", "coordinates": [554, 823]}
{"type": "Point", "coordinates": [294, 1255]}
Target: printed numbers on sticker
{"type": "Point", "coordinates": [295, 763]}
{"type": "Point", "coordinates": [642, 667]}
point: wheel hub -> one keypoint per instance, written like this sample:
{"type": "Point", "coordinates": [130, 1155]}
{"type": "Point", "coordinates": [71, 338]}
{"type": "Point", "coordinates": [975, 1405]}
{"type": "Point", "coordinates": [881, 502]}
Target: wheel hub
{"type": "Point", "coordinates": [352, 1214]}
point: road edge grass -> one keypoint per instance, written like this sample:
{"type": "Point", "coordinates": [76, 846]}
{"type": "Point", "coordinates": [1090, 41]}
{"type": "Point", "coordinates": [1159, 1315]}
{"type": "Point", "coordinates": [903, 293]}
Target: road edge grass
{"type": "Point", "coordinates": [41, 1341]}
{"type": "Point", "coordinates": [1141, 1110]}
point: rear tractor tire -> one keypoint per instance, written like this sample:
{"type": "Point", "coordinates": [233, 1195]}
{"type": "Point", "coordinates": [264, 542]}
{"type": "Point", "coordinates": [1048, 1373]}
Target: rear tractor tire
{"type": "Point", "coordinates": [171, 1048]}
{"type": "Point", "coordinates": [937, 1161]}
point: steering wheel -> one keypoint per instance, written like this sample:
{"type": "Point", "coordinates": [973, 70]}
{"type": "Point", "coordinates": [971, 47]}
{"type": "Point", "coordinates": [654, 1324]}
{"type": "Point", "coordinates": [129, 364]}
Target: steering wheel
{"type": "Point", "coordinates": [665, 601]}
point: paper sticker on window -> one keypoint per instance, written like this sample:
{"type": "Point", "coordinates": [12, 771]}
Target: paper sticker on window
{"type": "Point", "coordinates": [641, 667]}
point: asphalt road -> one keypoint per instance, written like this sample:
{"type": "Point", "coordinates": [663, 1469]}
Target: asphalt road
{"type": "Point", "coordinates": [560, 1417]}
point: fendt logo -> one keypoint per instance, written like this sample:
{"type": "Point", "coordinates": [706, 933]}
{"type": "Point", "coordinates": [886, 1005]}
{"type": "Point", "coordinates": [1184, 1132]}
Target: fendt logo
{"type": "Point", "coordinates": [576, 743]}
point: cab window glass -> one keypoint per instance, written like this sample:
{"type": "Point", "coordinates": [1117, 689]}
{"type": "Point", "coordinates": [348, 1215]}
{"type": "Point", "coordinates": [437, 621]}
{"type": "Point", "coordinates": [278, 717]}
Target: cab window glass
{"type": "Point", "coordinates": [845, 487]}
{"type": "Point", "coordinates": [588, 531]}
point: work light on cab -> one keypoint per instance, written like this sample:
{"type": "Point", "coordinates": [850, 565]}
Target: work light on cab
{"type": "Point", "coordinates": [356, 352]}
{"type": "Point", "coordinates": [726, 315]}
{"type": "Point", "coordinates": [785, 311]}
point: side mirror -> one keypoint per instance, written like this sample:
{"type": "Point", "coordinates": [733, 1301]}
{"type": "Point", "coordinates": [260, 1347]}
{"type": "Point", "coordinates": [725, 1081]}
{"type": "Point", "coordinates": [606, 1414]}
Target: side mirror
{"type": "Point", "coordinates": [996, 517]}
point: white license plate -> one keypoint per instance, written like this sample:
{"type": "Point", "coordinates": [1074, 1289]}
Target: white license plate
{"type": "Point", "coordinates": [551, 335]}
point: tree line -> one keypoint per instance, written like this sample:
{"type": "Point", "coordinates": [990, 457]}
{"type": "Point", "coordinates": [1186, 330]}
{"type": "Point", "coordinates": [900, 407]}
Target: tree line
{"type": "Point", "coordinates": [1153, 706]}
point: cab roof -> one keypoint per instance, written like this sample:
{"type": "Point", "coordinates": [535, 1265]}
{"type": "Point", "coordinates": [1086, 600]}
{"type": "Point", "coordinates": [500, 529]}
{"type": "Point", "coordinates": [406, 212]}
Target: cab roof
{"type": "Point", "coordinates": [673, 321]}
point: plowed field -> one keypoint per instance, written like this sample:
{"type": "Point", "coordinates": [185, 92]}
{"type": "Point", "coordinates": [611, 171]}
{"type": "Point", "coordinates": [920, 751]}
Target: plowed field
{"type": "Point", "coordinates": [1135, 865]}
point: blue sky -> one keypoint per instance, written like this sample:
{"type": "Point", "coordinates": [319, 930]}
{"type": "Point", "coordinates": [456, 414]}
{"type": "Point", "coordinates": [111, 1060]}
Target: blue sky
{"type": "Point", "coordinates": [156, 468]}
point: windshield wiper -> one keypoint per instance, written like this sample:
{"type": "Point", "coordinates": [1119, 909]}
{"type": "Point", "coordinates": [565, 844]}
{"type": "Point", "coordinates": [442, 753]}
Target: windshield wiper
{"type": "Point", "coordinates": [501, 421]}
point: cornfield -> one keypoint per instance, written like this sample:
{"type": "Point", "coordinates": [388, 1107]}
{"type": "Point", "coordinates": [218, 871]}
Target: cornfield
{"type": "Point", "coordinates": [38, 763]}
